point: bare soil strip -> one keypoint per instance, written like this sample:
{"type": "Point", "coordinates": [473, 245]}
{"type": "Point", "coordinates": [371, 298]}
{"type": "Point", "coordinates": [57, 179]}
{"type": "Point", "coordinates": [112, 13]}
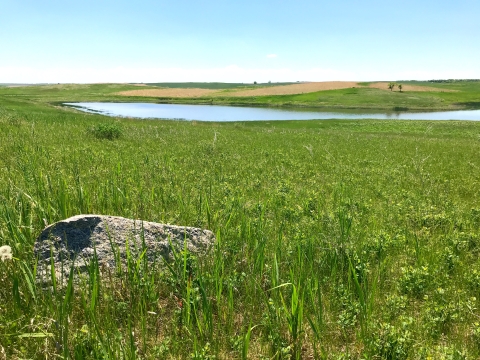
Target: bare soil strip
{"type": "Point", "coordinates": [406, 87]}
{"type": "Point", "coordinates": [292, 89]}
{"type": "Point", "coordinates": [172, 93]}
{"type": "Point", "coordinates": [300, 88]}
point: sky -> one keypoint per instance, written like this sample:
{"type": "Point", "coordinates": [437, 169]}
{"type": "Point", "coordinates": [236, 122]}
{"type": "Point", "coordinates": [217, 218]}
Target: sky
{"type": "Point", "coordinates": [63, 41]}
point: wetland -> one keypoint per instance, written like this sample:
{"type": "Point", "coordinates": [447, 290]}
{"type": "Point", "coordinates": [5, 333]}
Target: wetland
{"type": "Point", "coordinates": [219, 113]}
{"type": "Point", "coordinates": [340, 239]}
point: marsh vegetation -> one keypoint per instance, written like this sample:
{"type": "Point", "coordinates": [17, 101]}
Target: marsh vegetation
{"type": "Point", "coordinates": [336, 239]}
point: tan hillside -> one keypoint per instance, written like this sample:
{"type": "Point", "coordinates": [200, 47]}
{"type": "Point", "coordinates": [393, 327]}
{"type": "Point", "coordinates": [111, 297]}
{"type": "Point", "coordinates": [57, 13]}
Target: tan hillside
{"type": "Point", "coordinates": [299, 88]}
{"type": "Point", "coordinates": [169, 92]}
{"type": "Point", "coordinates": [406, 87]}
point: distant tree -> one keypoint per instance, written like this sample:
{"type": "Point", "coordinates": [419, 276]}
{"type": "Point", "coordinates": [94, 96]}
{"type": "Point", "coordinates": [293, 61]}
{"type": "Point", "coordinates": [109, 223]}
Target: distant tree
{"type": "Point", "coordinates": [254, 83]}
{"type": "Point", "coordinates": [391, 86]}
{"type": "Point", "coordinates": [400, 87]}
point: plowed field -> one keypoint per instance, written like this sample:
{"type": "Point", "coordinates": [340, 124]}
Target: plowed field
{"type": "Point", "coordinates": [261, 91]}
{"type": "Point", "coordinates": [170, 92]}
{"type": "Point", "coordinates": [292, 89]}
{"type": "Point", "coordinates": [300, 88]}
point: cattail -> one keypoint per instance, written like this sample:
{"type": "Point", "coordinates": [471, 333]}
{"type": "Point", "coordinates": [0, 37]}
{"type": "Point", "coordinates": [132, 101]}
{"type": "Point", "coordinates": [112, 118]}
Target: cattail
{"type": "Point", "coordinates": [5, 252]}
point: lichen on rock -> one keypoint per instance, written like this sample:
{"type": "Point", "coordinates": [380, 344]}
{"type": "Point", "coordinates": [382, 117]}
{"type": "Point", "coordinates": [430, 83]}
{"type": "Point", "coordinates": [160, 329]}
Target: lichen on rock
{"type": "Point", "coordinates": [76, 240]}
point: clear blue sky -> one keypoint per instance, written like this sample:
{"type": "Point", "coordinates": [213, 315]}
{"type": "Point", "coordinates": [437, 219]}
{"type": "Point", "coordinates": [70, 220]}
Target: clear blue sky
{"type": "Point", "coordinates": [238, 41]}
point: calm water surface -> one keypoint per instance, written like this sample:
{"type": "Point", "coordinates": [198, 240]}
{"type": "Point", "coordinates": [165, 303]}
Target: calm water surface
{"type": "Point", "coordinates": [235, 113]}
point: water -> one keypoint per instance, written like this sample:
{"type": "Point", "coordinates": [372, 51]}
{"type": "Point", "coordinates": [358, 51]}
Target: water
{"type": "Point", "coordinates": [235, 113]}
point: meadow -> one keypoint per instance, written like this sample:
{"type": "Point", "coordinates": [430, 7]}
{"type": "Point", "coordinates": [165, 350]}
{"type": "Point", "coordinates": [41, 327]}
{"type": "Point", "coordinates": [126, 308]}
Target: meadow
{"type": "Point", "coordinates": [456, 95]}
{"type": "Point", "coordinates": [335, 239]}
{"type": "Point", "coordinates": [444, 96]}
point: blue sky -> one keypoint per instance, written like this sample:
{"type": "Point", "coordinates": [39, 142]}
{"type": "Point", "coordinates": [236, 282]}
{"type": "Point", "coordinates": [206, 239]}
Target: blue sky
{"type": "Point", "coordinates": [241, 41]}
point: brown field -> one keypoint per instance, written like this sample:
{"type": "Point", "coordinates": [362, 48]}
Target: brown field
{"type": "Point", "coordinates": [261, 91]}
{"type": "Point", "coordinates": [384, 86]}
{"type": "Point", "coordinates": [292, 89]}
{"type": "Point", "coordinates": [299, 88]}
{"type": "Point", "coordinates": [174, 93]}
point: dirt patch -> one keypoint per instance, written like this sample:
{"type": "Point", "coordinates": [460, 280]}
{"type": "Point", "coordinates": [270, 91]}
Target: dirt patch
{"type": "Point", "coordinates": [406, 87]}
{"type": "Point", "coordinates": [300, 88]}
{"type": "Point", "coordinates": [173, 93]}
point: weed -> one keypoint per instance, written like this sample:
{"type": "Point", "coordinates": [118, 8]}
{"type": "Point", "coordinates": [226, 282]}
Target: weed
{"type": "Point", "coordinates": [202, 353]}
{"type": "Point", "coordinates": [322, 252]}
{"type": "Point", "coordinates": [415, 281]}
{"type": "Point", "coordinates": [380, 245]}
{"type": "Point", "coordinates": [449, 259]}
{"type": "Point", "coordinates": [393, 343]}
{"type": "Point", "coordinates": [473, 280]}
{"type": "Point", "coordinates": [440, 312]}
{"type": "Point", "coordinates": [109, 131]}
{"type": "Point", "coordinates": [349, 308]}
{"type": "Point", "coordinates": [475, 334]}
{"type": "Point", "coordinates": [395, 305]}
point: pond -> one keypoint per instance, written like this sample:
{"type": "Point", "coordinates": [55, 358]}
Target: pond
{"type": "Point", "coordinates": [235, 113]}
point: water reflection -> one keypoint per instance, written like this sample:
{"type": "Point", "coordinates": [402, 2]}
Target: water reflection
{"type": "Point", "coordinates": [235, 113]}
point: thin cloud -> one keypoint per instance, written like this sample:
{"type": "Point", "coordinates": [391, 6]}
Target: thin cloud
{"type": "Point", "coordinates": [271, 56]}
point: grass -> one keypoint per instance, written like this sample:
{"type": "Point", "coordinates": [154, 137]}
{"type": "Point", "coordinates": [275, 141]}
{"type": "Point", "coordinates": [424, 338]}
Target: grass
{"type": "Point", "coordinates": [108, 130]}
{"type": "Point", "coordinates": [370, 98]}
{"type": "Point", "coordinates": [467, 96]}
{"type": "Point", "coordinates": [336, 239]}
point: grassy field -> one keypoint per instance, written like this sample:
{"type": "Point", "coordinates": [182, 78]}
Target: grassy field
{"type": "Point", "coordinates": [466, 95]}
{"type": "Point", "coordinates": [336, 239]}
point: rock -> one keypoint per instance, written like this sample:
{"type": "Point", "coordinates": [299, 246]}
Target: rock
{"type": "Point", "coordinates": [75, 241]}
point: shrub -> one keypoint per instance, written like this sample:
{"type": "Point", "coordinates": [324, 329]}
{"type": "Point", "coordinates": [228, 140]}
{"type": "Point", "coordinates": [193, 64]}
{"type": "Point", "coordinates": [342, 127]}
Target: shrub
{"type": "Point", "coordinates": [108, 131]}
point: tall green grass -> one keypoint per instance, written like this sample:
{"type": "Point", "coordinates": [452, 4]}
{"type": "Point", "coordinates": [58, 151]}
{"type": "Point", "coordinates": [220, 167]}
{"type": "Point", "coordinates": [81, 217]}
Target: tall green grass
{"type": "Point", "coordinates": [336, 239]}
